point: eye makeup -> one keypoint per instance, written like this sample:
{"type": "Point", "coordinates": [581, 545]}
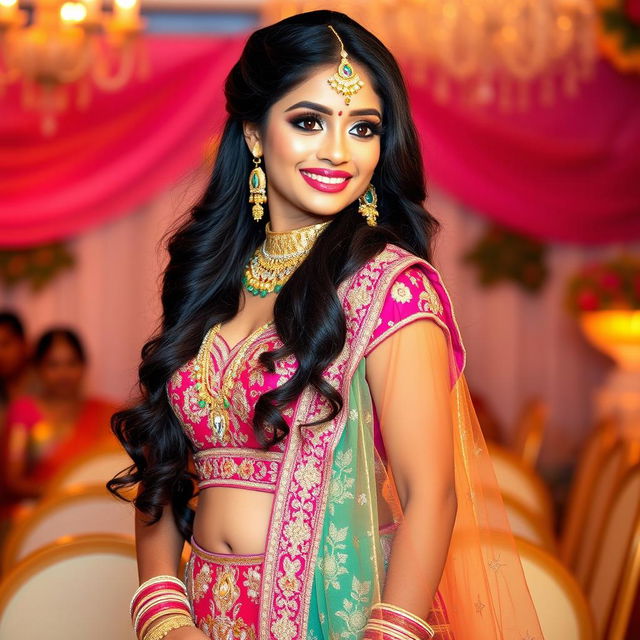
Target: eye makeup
{"type": "Point", "coordinates": [374, 127]}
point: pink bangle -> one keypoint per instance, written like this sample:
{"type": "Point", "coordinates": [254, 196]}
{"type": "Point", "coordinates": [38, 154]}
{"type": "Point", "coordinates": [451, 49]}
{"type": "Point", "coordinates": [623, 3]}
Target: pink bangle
{"type": "Point", "coordinates": [391, 621]}
{"type": "Point", "coordinates": [155, 584]}
{"type": "Point", "coordinates": [157, 596]}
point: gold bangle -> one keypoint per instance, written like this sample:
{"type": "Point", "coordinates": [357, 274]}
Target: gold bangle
{"type": "Point", "coordinates": [148, 625]}
{"type": "Point", "coordinates": [174, 622]}
{"type": "Point", "coordinates": [412, 616]}
{"type": "Point", "coordinates": [141, 613]}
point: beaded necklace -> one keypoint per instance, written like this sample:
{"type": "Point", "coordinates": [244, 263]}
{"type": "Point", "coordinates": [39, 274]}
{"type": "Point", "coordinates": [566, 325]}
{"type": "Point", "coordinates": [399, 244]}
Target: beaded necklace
{"type": "Point", "coordinates": [278, 257]}
{"type": "Point", "coordinates": [218, 401]}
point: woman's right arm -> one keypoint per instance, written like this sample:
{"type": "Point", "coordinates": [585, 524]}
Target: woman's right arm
{"type": "Point", "coordinates": [158, 549]}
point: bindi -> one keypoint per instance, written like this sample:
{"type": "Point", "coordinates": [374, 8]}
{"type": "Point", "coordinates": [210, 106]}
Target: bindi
{"type": "Point", "coordinates": [339, 113]}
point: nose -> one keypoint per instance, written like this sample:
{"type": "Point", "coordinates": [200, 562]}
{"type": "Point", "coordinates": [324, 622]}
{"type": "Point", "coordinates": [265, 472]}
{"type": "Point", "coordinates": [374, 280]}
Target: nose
{"type": "Point", "coordinates": [335, 146]}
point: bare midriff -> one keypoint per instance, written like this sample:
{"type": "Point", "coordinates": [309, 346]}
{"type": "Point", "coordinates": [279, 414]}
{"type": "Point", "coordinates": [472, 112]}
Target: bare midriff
{"type": "Point", "coordinates": [232, 520]}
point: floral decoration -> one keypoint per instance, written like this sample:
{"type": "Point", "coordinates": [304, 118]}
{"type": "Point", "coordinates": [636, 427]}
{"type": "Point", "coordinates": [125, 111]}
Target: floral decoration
{"type": "Point", "coordinates": [36, 266]}
{"type": "Point", "coordinates": [612, 284]}
{"type": "Point", "coordinates": [502, 254]}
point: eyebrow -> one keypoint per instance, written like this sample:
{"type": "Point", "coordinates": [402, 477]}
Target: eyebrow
{"type": "Point", "coordinates": [322, 109]}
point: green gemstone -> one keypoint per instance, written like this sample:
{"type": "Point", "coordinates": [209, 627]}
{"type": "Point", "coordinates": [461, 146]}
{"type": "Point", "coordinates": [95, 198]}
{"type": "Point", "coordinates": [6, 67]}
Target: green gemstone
{"type": "Point", "coordinates": [198, 386]}
{"type": "Point", "coordinates": [255, 181]}
{"type": "Point", "coordinates": [263, 293]}
{"type": "Point", "coordinates": [368, 196]}
{"type": "Point", "coordinates": [347, 70]}
{"type": "Point", "coordinates": [277, 288]}
{"type": "Point", "coordinates": [226, 403]}
{"type": "Point", "coordinates": [202, 404]}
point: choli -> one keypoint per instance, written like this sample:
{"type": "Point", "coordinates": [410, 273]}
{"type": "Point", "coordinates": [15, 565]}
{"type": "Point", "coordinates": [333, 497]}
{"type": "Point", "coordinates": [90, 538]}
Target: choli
{"type": "Point", "coordinates": [236, 458]}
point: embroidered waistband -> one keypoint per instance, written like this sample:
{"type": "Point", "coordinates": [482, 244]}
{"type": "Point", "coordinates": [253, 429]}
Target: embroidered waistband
{"type": "Point", "coordinates": [241, 467]}
{"type": "Point", "coordinates": [235, 559]}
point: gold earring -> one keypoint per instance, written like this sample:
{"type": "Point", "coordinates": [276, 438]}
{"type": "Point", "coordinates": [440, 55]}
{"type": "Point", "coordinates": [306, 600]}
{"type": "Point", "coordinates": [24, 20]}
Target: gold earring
{"type": "Point", "coordinates": [368, 201]}
{"type": "Point", "coordinates": [257, 185]}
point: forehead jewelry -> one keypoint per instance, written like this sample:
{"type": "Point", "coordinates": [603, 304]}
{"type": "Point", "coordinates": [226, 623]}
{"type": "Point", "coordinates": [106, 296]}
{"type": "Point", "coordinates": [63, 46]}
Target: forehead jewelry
{"type": "Point", "coordinates": [345, 81]}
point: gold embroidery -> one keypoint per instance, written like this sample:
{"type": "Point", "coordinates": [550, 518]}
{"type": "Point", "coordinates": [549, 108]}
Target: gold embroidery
{"type": "Point", "coordinates": [354, 612]}
{"type": "Point", "coordinates": [495, 564]}
{"type": "Point", "coordinates": [252, 580]}
{"type": "Point", "coordinates": [401, 293]}
{"type": "Point", "coordinates": [429, 297]}
{"type": "Point", "coordinates": [225, 590]}
{"type": "Point", "coordinates": [201, 582]}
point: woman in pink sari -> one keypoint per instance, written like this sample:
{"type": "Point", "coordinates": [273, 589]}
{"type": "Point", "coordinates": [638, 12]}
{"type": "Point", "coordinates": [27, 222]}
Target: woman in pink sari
{"type": "Point", "coordinates": [47, 429]}
{"type": "Point", "coordinates": [308, 377]}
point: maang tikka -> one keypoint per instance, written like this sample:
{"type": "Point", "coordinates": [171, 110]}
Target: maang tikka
{"type": "Point", "coordinates": [257, 185]}
{"type": "Point", "coordinates": [345, 81]}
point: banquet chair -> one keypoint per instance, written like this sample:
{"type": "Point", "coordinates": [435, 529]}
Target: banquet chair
{"type": "Point", "coordinates": [615, 550]}
{"type": "Point", "coordinates": [527, 525]}
{"type": "Point", "coordinates": [74, 511]}
{"type": "Point", "coordinates": [613, 468]}
{"type": "Point", "coordinates": [562, 608]}
{"type": "Point", "coordinates": [95, 466]}
{"type": "Point", "coordinates": [518, 481]}
{"type": "Point", "coordinates": [628, 589]}
{"type": "Point", "coordinates": [596, 449]}
{"type": "Point", "coordinates": [530, 430]}
{"type": "Point", "coordinates": [74, 589]}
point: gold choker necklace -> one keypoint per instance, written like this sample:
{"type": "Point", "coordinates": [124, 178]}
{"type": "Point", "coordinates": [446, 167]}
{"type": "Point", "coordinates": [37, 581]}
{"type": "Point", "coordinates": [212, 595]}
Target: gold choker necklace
{"type": "Point", "coordinates": [278, 257]}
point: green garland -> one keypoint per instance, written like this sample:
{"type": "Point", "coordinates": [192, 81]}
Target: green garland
{"type": "Point", "coordinates": [504, 255]}
{"type": "Point", "coordinates": [36, 266]}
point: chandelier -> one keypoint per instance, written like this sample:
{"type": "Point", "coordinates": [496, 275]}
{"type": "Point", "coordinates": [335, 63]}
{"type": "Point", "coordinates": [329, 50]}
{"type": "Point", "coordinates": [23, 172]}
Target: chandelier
{"type": "Point", "coordinates": [478, 51]}
{"type": "Point", "coordinates": [65, 48]}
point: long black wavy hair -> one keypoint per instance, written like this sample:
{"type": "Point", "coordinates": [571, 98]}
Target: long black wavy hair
{"type": "Point", "coordinates": [208, 252]}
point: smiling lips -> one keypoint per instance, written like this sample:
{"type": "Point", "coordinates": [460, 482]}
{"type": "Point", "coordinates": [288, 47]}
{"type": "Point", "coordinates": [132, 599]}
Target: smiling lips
{"type": "Point", "coordinates": [327, 180]}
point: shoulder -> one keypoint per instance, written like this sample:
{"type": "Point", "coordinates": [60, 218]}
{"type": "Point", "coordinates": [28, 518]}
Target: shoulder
{"type": "Point", "coordinates": [405, 288]}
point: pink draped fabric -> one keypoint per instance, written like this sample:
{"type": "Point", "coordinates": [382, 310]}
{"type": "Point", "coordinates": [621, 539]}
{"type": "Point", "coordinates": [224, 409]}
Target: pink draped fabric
{"type": "Point", "coordinates": [566, 174]}
{"type": "Point", "coordinates": [118, 154]}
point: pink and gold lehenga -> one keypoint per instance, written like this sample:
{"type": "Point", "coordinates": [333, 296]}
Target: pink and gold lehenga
{"type": "Point", "coordinates": [336, 509]}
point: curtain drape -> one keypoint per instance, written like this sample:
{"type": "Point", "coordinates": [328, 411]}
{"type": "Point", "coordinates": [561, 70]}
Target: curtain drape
{"type": "Point", "coordinates": [568, 173]}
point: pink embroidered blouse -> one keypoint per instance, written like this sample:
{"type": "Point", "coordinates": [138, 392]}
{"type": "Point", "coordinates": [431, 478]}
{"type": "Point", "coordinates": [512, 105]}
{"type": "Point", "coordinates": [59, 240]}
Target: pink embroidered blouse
{"type": "Point", "coordinates": [237, 459]}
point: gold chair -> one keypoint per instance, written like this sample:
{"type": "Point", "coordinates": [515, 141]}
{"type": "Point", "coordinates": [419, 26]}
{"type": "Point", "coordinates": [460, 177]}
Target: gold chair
{"type": "Point", "coordinates": [530, 429]}
{"type": "Point", "coordinates": [95, 466]}
{"type": "Point", "coordinates": [74, 511]}
{"type": "Point", "coordinates": [628, 590]}
{"type": "Point", "coordinates": [562, 608]}
{"type": "Point", "coordinates": [527, 525]}
{"type": "Point", "coordinates": [520, 483]}
{"type": "Point", "coordinates": [615, 551]}
{"type": "Point", "coordinates": [74, 589]}
{"type": "Point", "coordinates": [596, 449]}
{"type": "Point", "coordinates": [613, 468]}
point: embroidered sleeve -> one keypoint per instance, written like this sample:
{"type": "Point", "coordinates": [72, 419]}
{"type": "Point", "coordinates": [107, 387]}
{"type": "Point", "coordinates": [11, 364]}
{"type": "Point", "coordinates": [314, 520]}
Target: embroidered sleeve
{"type": "Point", "coordinates": [414, 295]}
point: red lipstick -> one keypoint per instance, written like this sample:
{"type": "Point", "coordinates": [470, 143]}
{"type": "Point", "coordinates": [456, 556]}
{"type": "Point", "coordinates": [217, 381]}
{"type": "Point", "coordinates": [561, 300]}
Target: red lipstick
{"type": "Point", "coordinates": [327, 187]}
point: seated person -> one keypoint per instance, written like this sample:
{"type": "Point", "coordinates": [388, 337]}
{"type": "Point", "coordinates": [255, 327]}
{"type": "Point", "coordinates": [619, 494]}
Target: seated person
{"type": "Point", "coordinates": [45, 430]}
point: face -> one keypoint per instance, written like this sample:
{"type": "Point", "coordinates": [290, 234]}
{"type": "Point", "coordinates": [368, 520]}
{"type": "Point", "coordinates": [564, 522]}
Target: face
{"type": "Point", "coordinates": [13, 353]}
{"type": "Point", "coordinates": [319, 154]}
{"type": "Point", "coordinates": [61, 371]}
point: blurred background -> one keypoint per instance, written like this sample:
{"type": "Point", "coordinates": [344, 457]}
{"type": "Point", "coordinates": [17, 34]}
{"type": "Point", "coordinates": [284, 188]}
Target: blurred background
{"type": "Point", "coordinates": [529, 118]}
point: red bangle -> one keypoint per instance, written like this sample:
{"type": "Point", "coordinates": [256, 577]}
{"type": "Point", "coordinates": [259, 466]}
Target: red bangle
{"type": "Point", "coordinates": [156, 586]}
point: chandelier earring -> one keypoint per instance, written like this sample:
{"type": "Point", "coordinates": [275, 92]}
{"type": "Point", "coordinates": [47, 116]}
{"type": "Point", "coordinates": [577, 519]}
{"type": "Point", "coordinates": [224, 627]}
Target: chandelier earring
{"type": "Point", "coordinates": [368, 205]}
{"type": "Point", "coordinates": [257, 185]}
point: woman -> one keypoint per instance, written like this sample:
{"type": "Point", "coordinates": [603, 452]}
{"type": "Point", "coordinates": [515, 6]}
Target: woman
{"type": "Point", "coordinates": [310, 368]}
{"type": "Point", "coordinates": [47, 429]}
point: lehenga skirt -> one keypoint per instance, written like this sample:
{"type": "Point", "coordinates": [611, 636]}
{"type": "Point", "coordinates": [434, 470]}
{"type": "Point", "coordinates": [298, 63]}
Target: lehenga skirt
{"type": "Point", "coordinates": [224, 589]}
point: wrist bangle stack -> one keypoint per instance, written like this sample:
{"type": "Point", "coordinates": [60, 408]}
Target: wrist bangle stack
{"type": "Point", "coordinates": [390, 622]}
{"type": "Point", "coordinates": [160, 597]}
